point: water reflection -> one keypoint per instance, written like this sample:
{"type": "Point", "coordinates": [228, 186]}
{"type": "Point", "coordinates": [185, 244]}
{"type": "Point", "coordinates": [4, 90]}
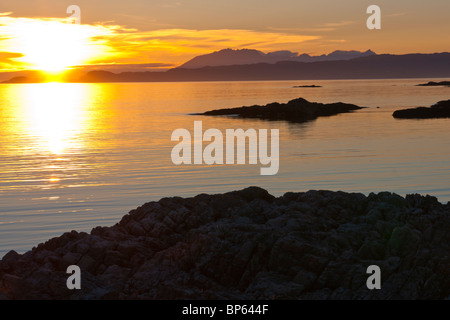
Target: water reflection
{"type": "Point", "coordinates": [55, 115]}
{"type": "Point", "coordinates": [43, 133]}
{"type": "Point", "coordinates": [74, 156]}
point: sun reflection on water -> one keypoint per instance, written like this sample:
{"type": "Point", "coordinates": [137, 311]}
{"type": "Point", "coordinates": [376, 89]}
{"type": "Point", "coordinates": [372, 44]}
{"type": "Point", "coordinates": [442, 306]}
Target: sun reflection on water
{"type": "Point", "coordinates": [56, 115]}
{"type": "Point", "coordinates": [45, 134]}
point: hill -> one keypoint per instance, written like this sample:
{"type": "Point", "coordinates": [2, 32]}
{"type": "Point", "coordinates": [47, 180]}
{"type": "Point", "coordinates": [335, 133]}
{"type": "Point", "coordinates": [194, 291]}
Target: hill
{"type": "Point", "coordinates": [372, 67]}
{"type": "Point", "coordinates": [228, 57]}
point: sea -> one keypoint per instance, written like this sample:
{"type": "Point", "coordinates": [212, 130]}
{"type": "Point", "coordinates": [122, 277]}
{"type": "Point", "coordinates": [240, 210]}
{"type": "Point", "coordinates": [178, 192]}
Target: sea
{"type": "Point", "coordinates": [75, 156]}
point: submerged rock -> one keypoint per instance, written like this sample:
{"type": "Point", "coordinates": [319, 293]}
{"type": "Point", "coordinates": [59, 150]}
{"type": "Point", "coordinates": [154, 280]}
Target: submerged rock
{"type": "Point", "coordinates": [248, 245]}
{"type": "Point", "coordinates": [297, 110]}
{"type": "Point", "coordinates": [439, 110]}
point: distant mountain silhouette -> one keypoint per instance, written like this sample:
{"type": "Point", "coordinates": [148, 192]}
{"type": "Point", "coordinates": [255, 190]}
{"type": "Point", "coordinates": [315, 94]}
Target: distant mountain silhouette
{"type": "Point", "coordinates": [228, 57]}
{"type": "Point", "coordinates": [384, 66]}
{"type": "Point", "coordinates": [25, 77]}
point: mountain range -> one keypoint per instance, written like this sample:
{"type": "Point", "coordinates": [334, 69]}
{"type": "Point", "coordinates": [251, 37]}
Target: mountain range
{"type": "Point", "coordinates": [243, 65]}
{"type": "Point", "coordinates": [228, 57]}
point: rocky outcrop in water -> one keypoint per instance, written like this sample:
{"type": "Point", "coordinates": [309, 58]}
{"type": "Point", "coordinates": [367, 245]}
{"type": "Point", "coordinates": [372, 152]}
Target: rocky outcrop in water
{"type": "Point", "coordinates": [297, 110]}
{"type": "Point", "coordinates": [439, 110]}
{"type": "Point", "coordinates": [434, 84]}
{"type": "Point", "coordinates": [249, 245]}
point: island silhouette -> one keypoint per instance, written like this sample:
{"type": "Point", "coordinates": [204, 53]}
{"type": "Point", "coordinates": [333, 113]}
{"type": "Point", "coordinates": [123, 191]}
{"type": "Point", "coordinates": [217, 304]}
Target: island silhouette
{"type": "Point", "coordinates": [277, 66]}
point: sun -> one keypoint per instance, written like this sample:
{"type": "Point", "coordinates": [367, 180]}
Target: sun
{"type": "Point", "coordinates": [52, 45]}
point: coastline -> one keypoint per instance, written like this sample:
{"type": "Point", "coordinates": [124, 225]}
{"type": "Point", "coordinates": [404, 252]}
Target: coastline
{"type": "Point", "coordinates": [248, 244]}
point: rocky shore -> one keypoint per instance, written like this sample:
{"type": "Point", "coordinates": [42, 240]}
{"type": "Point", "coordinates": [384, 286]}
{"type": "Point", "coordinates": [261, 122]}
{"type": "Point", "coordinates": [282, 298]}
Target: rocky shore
{"type": "Point", "coordinates": [248, 244]}
{"type": "Point", "coordinates": [297, 110]}
{"type": "Point", "coordinates": [439, 110]}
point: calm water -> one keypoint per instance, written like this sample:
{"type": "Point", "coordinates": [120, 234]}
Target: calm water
{"type": "Point", "coordinates": [74, 156]}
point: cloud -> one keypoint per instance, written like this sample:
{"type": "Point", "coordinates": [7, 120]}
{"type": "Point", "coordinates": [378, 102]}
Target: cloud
{"type": "Point", "coordinates": [114, 44]}
{"type": "Point", "coordinates": [49, 41]}
{"type": "Point", "coordinates": [123, 67]}
{"type": "Point", "coordinates": [138, 45]}
{"type": "Point", "coordinates": [7, 59]}
{"type": "Point", "coordinates": [133, 65]}
{"type": "Point", "coordinates": [7, 56]}
{"type": "Point", "coordinates": [338, 24]}
{"type": "Point", "coordinates": [399, 14]}
{"type": "Point", "coordinates": [322, 28]}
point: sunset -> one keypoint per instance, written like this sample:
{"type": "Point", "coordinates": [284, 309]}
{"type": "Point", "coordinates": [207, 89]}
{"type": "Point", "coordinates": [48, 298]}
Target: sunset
{"type": "Point", "coordinates": [224, 156]}
{"type": "Point", "coordinates": [140, 34]}
{"type": "Point", "coordinates": [49, 45]}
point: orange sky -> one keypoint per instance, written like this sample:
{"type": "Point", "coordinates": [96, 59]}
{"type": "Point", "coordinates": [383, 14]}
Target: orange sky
{"type": "Point", "coordinates": [35, 34]}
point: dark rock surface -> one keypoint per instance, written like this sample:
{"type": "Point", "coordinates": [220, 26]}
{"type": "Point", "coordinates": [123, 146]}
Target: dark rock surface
{"type": "Point", "coordinates": [308, 86]}
{"type": "Point", "coordinates": [434, 84]}
{"type": "Point", "coordinates": [249, 245]}
{"type": "Point", "coordinates": [439, 110]}
{"type": "Point", "coordinates": [297, 110]}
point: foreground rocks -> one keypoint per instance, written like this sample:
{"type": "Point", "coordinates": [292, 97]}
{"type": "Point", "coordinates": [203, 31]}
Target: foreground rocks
{"type": "Point", "coordinates": [249, 245]}
{"type": "Point", "coordinates": [297, 110]}
{"type": "Point", "coordinates": [439, 110]}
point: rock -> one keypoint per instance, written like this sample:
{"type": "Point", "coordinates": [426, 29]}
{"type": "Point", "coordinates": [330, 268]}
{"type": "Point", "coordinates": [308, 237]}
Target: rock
{"type": "Point", "coordinates": [297, 110]}
{"type": "Point", "coordinates": [249, 244]}
{"type": "Point", "coordinates": [434, 84]}
{"type": "Point", "coordinates": [11, 256]}
{"type": "Point", "coordinates": [438, 110]}
{"type": "Point", "coordinates": [136, 229]}
{"type": "Point", "coordinates": [403, 241]}
{"type": "Point", "coordinates": [70, 258]}
{"type": "Point", "coordinates": [9, 260]}
{"type": "Point", "coordinates": [374, 250]}
{"type": "Point", "coordinates": [87, 264]}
